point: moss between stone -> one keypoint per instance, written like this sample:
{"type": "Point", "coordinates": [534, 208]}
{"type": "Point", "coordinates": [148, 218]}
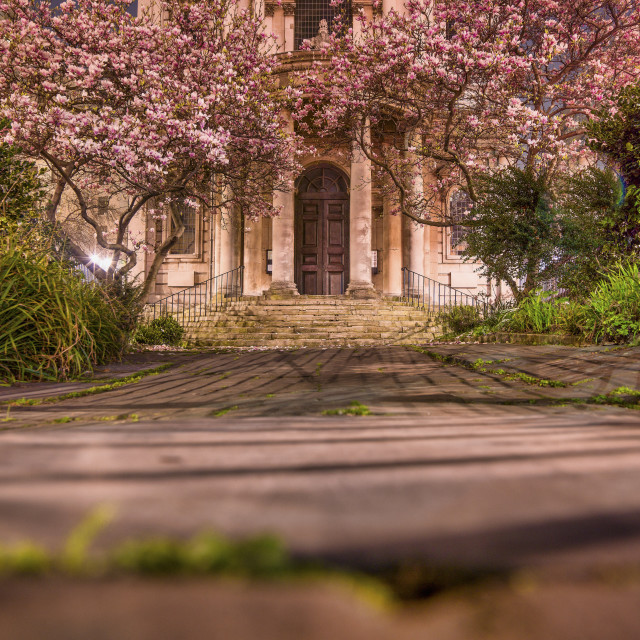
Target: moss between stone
{"type": "Point", "coordinates": [209, 554]}
{"type": "Point", "coordinates": [108, 385]}
{"type": "Point", "coordinates": [482, 365]}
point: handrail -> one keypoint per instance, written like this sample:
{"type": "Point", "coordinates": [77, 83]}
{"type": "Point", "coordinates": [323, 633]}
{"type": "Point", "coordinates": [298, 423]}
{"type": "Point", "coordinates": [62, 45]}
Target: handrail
{"type": "Point", "coordinates": [211, 295]}
{"type": "Point", "coordinates": [431, 295]}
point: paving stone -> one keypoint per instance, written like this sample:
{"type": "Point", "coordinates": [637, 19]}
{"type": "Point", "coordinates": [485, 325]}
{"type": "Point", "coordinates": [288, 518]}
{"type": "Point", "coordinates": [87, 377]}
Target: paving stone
{"type": "Point", "coordinates": [455, 468]}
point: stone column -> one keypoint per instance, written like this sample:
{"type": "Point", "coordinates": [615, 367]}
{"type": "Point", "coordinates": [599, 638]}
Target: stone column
{"type": "Point", "coordinates": [360, 284]}
{"type": "Point", "coordinates": [356, 24]}
{"type": "Point", "coordinates": [357, 9]}
{"type": "Point", "coordinates": [289, 10]}
{"type": "Point", "coordinates": [269, 10]}
{"type": "Point", "coordinates": [283, 283]}
{"type": "Point", "coordinates": [387, 5]}
{"type": "Point", "coordinates": [277, 22]}
{"type": "Point", "coordinates": [392, 260]}
{"type": "Point", "coordinates": [253, 264]}
{"type": "Point", "coordinates": [413, 232]}
{"type": "Point", "coordinates": [229, 246]}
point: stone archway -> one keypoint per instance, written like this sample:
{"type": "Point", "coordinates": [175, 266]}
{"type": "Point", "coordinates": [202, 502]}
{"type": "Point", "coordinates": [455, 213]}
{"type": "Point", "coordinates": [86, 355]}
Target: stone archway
{"type": "Point", "coordinates": [322, 231]}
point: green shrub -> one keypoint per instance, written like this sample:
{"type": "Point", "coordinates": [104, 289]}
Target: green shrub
{"type": "Point", "coordinates": [162, 330]}
{"type": "Point", "coordinates": [53, 324]}
{"type": "Point", "coordinates": [458, 320]}
{"type": "Point", "coordinates": [610, 313]}
{"type": "Point", "coordinates": [537, 313]}
{"type": "Point", "coordinates": [613, 309]}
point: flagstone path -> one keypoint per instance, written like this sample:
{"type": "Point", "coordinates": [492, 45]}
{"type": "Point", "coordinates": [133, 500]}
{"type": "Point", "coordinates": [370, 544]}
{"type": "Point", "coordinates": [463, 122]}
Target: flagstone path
{"type": "Point", "coordinates": [461, 463]}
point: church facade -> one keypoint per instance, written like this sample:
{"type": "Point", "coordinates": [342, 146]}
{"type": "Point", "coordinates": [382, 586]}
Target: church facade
{"type": "Point", "coordinates": [335, 234]}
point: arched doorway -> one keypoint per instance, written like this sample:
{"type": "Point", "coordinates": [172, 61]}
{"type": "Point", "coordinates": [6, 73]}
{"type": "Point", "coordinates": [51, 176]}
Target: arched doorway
{"type": "Point", "coordinates": [322, 231]}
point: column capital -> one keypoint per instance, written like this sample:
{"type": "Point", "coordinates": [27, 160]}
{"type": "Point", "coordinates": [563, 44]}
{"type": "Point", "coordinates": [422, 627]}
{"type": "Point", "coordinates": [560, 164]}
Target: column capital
{"type": "Point", "coordinates": [289, 8]}
{"type": "Point", "coordinates": [269, 9]}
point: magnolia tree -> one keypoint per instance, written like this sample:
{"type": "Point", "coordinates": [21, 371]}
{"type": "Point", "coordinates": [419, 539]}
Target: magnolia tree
{"type": "Point", "coordinates": [157, 112]}
{"type": "Point", "coordinates": [462, 87]}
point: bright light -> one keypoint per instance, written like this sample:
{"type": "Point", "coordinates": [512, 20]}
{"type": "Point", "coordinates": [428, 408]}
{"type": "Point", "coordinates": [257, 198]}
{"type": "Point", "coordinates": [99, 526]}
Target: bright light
{"type": "Point", "coordinates": [103, 262]}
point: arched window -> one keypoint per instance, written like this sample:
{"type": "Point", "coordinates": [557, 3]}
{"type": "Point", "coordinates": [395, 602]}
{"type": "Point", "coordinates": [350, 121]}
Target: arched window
{"type": "Point", "coordinates": [459, 206]}
{"type": "Point", "coordinates": [309, 14]}
{"type": "Point", "coordinates": [322, 180]}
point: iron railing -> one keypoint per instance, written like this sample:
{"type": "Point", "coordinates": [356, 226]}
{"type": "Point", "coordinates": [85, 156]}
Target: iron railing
{"type": "Point", "coordinates": [428, 294]}
{"type": "Point", "coordinates": [212, 295]}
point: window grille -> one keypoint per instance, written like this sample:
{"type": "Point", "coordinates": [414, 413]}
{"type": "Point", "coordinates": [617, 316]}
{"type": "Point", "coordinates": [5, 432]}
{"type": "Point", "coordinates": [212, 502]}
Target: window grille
{"type": "Point", "coordinates": [322, 180]}
{"type": "Point", "coordinates": [459, 206]}
{"type": "Point", "coordinates": [309, 13]}
{"type": "Point", "coordinates": [103, 206]}
{"type": "Point", "coordinates": [186, 243]}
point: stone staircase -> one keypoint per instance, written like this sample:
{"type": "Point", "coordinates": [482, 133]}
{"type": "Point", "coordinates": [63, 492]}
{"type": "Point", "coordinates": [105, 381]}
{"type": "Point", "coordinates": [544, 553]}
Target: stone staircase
{"type": "Point", "coordinates": [311, 321]}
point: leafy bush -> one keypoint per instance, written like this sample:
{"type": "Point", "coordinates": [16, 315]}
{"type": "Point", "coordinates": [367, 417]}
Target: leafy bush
{"type": "Point", "coordinates": [613, 309]}
{"type": "Point", "coordinates": [53, 324]}
{"type": "Point", "coordinates": [537, 313]}
{"type": "Point", "coordinates": [162, 330]}
{"type": "Point", "coordinates": [610, 313]}
{"type": "Point", "coordinates": [458, 320]}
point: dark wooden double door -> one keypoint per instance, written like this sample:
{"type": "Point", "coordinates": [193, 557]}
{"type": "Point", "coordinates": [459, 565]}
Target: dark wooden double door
{"type": "Point", "coordinates": [322, 243]}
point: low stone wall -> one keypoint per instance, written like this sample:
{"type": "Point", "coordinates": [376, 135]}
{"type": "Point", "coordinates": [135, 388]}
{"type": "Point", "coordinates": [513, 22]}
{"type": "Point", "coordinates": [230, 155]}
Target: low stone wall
{"type": "Point", "coordinates": [530, 338]}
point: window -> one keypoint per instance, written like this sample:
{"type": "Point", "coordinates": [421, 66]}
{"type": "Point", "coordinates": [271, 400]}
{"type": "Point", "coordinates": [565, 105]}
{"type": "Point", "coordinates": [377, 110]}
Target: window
{"type": "Point", "coordinates": [103, 206]}
{"type": "Point", "coordinates": [309, 13]}
{"type": "Point", "coordinates": [187, 242]}
{"type": "Point", "coordinates": [459, 206]}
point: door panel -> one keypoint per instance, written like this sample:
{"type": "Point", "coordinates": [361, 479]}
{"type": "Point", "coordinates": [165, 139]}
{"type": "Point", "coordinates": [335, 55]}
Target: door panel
{"type": "Point", "coordinates": [310, 283]}
{"type": "Point", "coordinates": [335, 283]}
{"type": "Point", "coordinates": [322, 243]}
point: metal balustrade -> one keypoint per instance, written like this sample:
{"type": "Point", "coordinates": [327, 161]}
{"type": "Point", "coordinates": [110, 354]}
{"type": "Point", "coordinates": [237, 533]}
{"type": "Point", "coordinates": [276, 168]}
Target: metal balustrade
{"type": "Point", "coordinates": [430, 295]}
{"type": "Point", "coordinates": [212, 295]}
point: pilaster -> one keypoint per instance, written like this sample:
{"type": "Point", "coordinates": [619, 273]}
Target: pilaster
{"type": "Point", "coordinates": [360, 285]}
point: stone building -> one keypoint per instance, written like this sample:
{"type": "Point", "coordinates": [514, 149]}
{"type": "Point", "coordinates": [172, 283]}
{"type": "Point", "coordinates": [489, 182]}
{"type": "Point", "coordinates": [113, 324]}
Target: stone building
{"type": "Point", "coordinates": [335, 234]}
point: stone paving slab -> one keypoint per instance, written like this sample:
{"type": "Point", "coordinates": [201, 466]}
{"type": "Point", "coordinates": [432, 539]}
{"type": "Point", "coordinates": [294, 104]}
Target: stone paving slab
{"type": "Point", "coordinates": [232, 610]}
{"type": "Point", "coordinates": [133, 363]}
{"type": "Point", "coordinates": [390, 380]}
{"type": "Point", "coordinates": [456, 467]}
{"type": "Point", "coordinates": [609, 367]}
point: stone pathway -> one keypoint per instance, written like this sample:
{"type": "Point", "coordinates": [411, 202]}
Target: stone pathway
{"type": "Point", "coordinates": [456, 467]}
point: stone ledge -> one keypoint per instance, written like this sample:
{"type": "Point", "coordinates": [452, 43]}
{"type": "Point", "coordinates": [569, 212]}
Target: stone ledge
{"type": "Point", "coordinates": [504, 337]}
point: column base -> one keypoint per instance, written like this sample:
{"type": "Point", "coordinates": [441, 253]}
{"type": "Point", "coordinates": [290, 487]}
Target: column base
{"type": "Point", "coordinates": [281, 290]}
{"type": "Point", "coordinates": [361, 290]}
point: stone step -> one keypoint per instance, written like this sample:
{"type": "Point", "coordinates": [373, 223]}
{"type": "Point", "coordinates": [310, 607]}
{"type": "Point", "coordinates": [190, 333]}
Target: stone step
{"type": "Point", "coordinates": [307, 321]}
{"type": "Point", "coordinates": [266, 336]}
{"type": "Point", "coordinates": [312, 317]}
{"type": "Point", "coordinates": [307, 324]}
{"type": "Point", "coordinates": [274, 344]}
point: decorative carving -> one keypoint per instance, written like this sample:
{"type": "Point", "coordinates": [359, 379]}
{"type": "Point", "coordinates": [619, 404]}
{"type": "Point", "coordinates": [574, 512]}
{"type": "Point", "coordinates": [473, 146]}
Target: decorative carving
{"type": "Point", "coordinates": [289, 8]}
{"type": "Point", "coordinates": [318, 41]}
{"type": "Point", "coordinates": [269, 9]}
{"type": "Point", "coordinates": [356, 7]}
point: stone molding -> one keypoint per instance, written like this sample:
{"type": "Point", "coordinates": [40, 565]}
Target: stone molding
{"type": "Point", "coordinates": [279, 290]}
{"type": "Point", "coordinates": [362, 290]}
{"type": "Point", "coordinates": [357, 6]}
{"type": "Point", "coordinates": [289, 8]}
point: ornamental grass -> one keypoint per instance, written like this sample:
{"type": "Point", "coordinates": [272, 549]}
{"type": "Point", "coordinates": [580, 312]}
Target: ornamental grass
{"type": "Point", "coordinates": [53, 324]}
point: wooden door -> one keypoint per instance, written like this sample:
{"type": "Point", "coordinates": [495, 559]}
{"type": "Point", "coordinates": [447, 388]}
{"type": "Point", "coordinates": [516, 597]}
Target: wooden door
{"type": "Point", "coordinates": [322, 241]}
{"type": "Point", "coordinates": [335, 243]}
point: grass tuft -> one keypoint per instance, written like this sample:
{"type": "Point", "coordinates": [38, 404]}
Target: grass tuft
{"type": "Point", "coordinates": [355, 408]}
